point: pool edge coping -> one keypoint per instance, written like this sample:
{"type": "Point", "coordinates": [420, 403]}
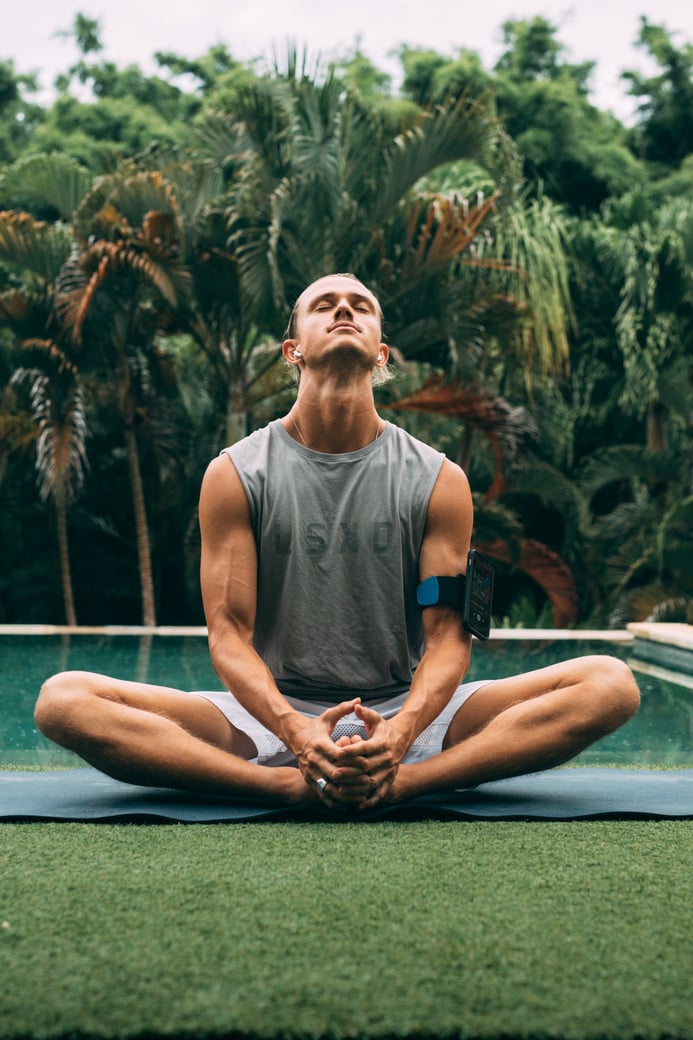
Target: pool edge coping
{"type": "Point", "coordinates": [607, 635]}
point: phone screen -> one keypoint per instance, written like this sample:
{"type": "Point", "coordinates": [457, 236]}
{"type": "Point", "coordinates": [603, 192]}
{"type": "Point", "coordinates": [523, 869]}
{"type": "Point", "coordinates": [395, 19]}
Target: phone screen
{"type": "Point", "coordinates": [478, 595]}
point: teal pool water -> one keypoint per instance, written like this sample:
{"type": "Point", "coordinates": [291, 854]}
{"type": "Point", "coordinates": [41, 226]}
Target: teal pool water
{"type": "Point", "coordinates": [660, 734]}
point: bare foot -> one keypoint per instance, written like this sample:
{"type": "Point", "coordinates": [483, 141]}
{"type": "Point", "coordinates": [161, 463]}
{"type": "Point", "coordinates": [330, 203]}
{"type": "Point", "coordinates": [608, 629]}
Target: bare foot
{"type": "Point", "coordinates": [292, 788]}
{"type": "Point", "coordinates": [401, 789]}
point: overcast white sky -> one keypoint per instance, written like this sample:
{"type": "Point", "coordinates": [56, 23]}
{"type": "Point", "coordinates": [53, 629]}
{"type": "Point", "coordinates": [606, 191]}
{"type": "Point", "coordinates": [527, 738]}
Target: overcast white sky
{"type": "Point", "coordinates": [132, 30]}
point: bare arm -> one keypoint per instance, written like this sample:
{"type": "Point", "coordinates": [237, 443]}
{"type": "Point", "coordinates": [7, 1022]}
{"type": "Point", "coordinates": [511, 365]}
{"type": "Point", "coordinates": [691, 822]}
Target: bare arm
{"type": "Point", "coordinates": [445, 662]}
{"type": "Point", "coordinates": [228, 577]}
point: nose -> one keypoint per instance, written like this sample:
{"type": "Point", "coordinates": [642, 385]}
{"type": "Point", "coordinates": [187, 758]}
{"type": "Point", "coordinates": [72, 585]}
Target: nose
{"type": "Point", "coordinates": [343, 310]}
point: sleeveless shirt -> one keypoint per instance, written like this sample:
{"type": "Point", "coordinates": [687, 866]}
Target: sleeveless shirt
{"type": "Point", "coordinates": [338, 540]}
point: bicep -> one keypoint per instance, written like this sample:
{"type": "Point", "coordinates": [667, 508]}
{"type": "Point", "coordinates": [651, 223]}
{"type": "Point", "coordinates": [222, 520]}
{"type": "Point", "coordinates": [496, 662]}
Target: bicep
{"type": "Point", "coordinates": [446, 543]}
{"type": "Point", "coordinates": [228, 566]}
{"type": "Point", "coordinates": [449, 519]}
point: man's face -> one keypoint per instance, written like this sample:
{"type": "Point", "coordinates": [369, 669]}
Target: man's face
{"type": "Point", "coordinates": [337, 313]}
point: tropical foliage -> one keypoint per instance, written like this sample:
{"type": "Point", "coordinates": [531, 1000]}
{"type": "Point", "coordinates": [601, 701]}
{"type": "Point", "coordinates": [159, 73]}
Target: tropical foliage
{"type": "Point", "coordinates": [533, 258]}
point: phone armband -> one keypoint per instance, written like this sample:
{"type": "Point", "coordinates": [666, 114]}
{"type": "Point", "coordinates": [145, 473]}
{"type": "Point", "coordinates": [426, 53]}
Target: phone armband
{"type": "Point", "coordinates": [472, 594]}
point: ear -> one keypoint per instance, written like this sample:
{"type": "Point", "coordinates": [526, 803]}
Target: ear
{"type": "Point", "coordinates": [383, 355]}
{"type": "Point", "coordinates": [289, 348]}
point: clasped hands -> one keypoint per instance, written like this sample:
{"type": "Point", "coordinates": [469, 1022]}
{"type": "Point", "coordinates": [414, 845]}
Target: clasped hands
{"type": "Point", "coordinates": [357, 772]}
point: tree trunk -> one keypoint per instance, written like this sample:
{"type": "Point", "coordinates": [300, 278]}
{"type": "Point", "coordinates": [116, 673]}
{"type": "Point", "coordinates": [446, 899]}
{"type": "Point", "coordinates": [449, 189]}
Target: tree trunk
{"type": "Point", "coordinates": [64, 554]}
{"type": "Point", "coordinates": [464, 451]}
{"type": "Point", "coordinates": [657, 439]}
{"type": "Point", "coordinates": [236, 414]}
{"type": "Point", "coordinates": [144, 554]}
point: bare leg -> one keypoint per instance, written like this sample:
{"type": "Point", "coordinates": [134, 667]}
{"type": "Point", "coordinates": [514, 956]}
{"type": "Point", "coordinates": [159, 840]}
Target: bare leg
{"type": "Point", "coordinates": [527, 723]}
{"type": "Point", "coordinates": [157, 736]}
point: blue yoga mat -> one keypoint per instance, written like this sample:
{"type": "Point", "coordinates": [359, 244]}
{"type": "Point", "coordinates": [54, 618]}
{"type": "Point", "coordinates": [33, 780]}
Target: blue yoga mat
{"type": "Point", "coordinates": [561, 794]}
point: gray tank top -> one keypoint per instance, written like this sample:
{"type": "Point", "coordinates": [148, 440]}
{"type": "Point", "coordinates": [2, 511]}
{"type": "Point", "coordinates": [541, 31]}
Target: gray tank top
{"type": "Point", "coordinates": [338, 540]}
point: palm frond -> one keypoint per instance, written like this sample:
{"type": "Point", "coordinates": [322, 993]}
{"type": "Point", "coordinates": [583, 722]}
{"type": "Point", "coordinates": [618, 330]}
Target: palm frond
{"type": "Point", "coordinates": [218, 142]}
{"type": "Point", "coordinates": [672, 609]}
{"type": "Point", "coordinates": [34, 245]}
{"type": "Point", "coordinates": [14, 307]}
{"type": "Point", "coordinates": [673, 540]}
{"type": "Point", "coordinates": [103, 259]}
{"type": "Point", "coordinates": [76, 293]}
{"type": "Point", "coordinates": [197, 188]}
{"type": "Point", "coordinates": [462, 128]}
{"type": "Point", "coordinates": [644, 603]}
{"type": "Point", "coordinates": [439, 230]}
{"type": "Point", "coordinates": [59, 411]}
{"type": "Point", "coordinates": [496, 523]}
{"type": "Point", "coordinates": [625, 462]}
{"type": "Point", "coordinates": [532, 238]}
{"type": "Point", "coordinates": [263, 115]}
{"type": "Point", "coordinates": [632, 559]}
{"type": "Point", "coordinates": [617, 526]}
{"type": "Point", "coordinates": [120, 202]}
{"type": "Point", "coordinates": [554, 490]}
{"type": "Point", "coordinates": [503, 424]}
{"type": "Point", "coordinates": [548, 570]}
{"type": "Point", "coordinates": [54, 179]}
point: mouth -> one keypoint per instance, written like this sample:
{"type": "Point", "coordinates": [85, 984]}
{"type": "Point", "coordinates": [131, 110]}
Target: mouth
{"type": "Point", "coordinates": [344, 325]}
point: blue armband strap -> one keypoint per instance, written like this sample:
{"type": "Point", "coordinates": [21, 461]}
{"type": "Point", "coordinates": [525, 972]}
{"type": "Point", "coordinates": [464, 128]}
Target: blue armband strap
{"type": "Point", "coordinates": [447, 591]}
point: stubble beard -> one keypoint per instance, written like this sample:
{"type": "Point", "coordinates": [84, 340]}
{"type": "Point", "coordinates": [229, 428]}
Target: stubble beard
{"type": "Point", "coordinates": [344, 362]}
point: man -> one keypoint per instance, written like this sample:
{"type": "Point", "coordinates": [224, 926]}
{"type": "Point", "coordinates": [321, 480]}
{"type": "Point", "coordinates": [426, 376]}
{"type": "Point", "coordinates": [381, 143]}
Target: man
{"type": "Point", "coordinates": [316, 532]}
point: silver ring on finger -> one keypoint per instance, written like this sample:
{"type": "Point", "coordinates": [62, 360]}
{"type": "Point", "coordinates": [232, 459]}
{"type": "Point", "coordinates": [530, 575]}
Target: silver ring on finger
{"type": "Point", "coordinates": [321, 783]}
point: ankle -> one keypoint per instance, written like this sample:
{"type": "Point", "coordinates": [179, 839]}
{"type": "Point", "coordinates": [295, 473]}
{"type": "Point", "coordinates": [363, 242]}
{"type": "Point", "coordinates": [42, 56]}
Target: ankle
{"type": "Point", "coordinates": [404, 786]}
{"type": "Point", "coordinates": [289, 786]}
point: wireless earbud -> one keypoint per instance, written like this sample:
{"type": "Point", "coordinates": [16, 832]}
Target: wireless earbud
{"type": "Point", "coordinates": [297, 353]}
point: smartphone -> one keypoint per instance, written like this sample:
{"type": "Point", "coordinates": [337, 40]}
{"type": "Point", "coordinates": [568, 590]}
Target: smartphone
{"type": "Point", "coordinates": [478, 595]}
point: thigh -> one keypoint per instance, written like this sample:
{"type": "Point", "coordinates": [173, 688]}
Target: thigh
{"type": "Point", "coordinates": [498, 695]}
{"type": "Point", "coordinates": [431, 741]}
{"type": "Point", "coordinates": [192, 712]}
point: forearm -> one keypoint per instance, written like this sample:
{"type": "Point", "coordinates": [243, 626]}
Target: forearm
{"type": "Point", "coordinates": [245, 674]}
{"type": "Point", "coordinates": [440, 671]}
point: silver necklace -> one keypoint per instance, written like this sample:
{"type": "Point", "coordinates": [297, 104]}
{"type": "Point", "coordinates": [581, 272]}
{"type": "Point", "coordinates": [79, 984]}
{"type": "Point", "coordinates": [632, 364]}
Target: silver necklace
{"type": "Point", "coordinates": [378, 431]}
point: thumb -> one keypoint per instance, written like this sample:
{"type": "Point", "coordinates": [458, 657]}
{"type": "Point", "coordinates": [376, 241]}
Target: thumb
{"type": "Point", "coordinates": [368, 717]}
{"type": "Point", "coordinates": [331, 716]}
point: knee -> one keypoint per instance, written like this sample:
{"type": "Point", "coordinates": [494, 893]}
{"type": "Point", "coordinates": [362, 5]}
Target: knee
{"type": "Point", "coordinates": [55, 707]}
{"type": "Point", "coordinates": [616, 689]}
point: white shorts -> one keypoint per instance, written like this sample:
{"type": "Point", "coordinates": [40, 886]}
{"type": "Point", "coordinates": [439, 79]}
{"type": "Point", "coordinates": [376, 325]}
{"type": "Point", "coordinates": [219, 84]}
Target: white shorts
{"type": "Point", "coordinates": [271, 751]}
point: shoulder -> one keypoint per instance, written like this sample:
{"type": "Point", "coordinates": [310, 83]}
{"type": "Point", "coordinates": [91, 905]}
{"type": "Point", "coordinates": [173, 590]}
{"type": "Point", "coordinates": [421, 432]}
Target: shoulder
{"type": "Point", "coordinates": [221, 496]}
{"type": "Point", "coordinates": [451, 498]}
{"type": "Point", "coordinates": [250, 454]}
{"type": "Point", "coordinates": [449, 522]}
{"type": "Point", "coordinates": [452, 479]}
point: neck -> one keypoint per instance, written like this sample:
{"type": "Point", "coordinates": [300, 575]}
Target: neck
{"type": "Point", "coordinates": [334, 423]}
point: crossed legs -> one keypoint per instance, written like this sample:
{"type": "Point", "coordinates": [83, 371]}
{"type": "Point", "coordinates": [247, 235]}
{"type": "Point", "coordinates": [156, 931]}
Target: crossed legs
{"type": "Point", "coordinates": [162, 737]}
{"type": "Point", "coordinates": [527, 723]}
{"type": "Point", "coordinates": [156, 736]}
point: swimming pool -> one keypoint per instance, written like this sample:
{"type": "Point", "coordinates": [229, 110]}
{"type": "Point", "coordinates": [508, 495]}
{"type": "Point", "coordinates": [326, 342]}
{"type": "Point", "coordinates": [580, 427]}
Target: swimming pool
{"type": "Point", "coordinates": [660, 734]}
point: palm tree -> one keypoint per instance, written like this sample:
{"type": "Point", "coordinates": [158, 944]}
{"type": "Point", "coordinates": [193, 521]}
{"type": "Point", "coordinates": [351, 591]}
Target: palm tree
{"type": "Point", "coordinates": [58, 411]}
{"type": "Point", "coordinates": [36, 252]}
{"type": "Point", "coordinates": [126, 269]}
{"type": "Point", "coordinates": [99, 284]}
{"type": "Point", "coordinates": [319, 184]}
{"type": "Point", "coordinates": [216, 311]}
{"type": "Point", "coordinates": [645, 252]}
{"type": "Point", "coordinates": [640, 547]}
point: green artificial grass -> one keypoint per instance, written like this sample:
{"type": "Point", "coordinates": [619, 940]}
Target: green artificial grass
{"type": "Point", "coordinates": [347, 930]}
